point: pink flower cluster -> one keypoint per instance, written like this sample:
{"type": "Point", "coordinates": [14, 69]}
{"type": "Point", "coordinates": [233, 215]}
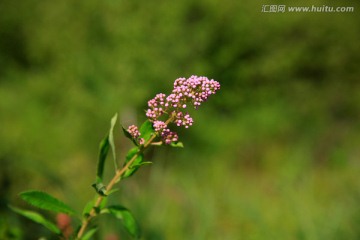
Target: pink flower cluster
{"type": "Point", "coordinates": [169, 136]}
{"type": "Point", "coordinates": [157, 106]}
{"type": "Point", "coordinates": [183, 120]}
{"type": "Point", "coordinates": [194, 90]}
{"type": "Point", "coordinates": [159, 126]}
{"type": "Point", "coordinates": [166, 134]}
{"type": "Point", "coordinates": [134, 132]}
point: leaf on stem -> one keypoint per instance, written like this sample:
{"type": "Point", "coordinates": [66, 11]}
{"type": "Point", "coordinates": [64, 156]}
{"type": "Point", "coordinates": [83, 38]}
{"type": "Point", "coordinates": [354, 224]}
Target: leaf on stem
{"type": "Point", "coordinates": [104, 149]}
{"type": "Point", "coordinates": [126, 133]}
{"type": "Point", "coordinates": [146, 130]}
{"type": "Point", "coordinates": [91, 206]}
{"type": "Point", "coordinates": [140, 164]}
{"type": "Point", "coordinates": [112, 191]}
{"type": "Point", "coordinates": [89, 234]}
{"type": "Point", "coordinates": [88, 207]}
{"type": "Point", "coordinates": [127, 218]}
{"type": "Point", "coordinates": [45, 201]}
{"type": "Point", "coordinates": [135, 164]}
{"type": "Point", "coordinates": [105, 144]}
{"type": "Point", "coordinates": [177, 144]}
{"type": "Point", "coordinates": [36, 217]}
{"type": "Point", "coordinates": [111, 138]}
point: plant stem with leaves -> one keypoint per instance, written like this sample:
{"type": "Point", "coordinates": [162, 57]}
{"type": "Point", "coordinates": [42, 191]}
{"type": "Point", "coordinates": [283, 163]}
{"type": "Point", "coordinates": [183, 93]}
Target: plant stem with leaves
{"type": "Point", "coordinates": [163, 111]}
{"type": "Point", "coordinates": [112, 182]}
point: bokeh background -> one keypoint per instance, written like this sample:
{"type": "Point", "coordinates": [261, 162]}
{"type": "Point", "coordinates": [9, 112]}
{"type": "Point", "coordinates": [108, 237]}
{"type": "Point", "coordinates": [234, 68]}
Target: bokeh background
{"type": "Point", "coordinates": [273, 155]}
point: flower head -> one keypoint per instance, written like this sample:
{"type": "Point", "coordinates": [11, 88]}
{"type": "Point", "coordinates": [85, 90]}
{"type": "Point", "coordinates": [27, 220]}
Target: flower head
{"type": "Point", "coordinates": [156, 106]}
{"type": "Point", "coordinates": [194, 90]}
{"type": "Point", "coordinates": [134, 131]}
{"type": "Point", "coordinates": [159, 125]}
{"type": "Point", "coordinates": [169, 136]}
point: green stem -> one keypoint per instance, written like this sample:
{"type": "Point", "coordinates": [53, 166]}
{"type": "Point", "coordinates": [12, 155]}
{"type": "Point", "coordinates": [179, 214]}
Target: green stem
{"type": "Point", "coordinates": [115, 180]}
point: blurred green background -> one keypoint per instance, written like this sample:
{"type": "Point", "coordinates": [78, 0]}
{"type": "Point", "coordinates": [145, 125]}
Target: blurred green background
{"type": "Point", "coordinates": [273, 155]}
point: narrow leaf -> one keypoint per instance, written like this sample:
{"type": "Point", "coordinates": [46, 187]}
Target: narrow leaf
{"type": "Point", "coordinates": [88, 207]}
{"type": "Point", "coordinates": [111, 139]}
{"type": "Point", "coordinates": [140, 164]}
{"type": "Point", "coordinates": [126, 133]}
{"type": "Point", "coordinates": [112, 191]}
{"type": "Point", "coordinates": [146, 130]}
{"type": "Point", "coordinates": [45, 201]}
{"type": "Point", "coordinates": [104, 149]}
{"type": "Point", "coordinates": [36, 217]}
{"type": "Point", "coordinates": [105, 144]}
{"type": "Point", "coordinates": [89, 234]}
{"type": "Point", "coordinates": [127, 218]}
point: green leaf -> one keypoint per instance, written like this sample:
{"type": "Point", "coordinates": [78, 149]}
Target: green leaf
{"type": "Point", "coordinates": [126, 216]}
{"type": "Point", "coordinates": [126, 133]}
{"type": "Point", "coordinates": [45, 201]}
{"type": "Point", "coordinates": [111, 139]}
{"type": "Point", "coordinates": [112, 191]}
{"type": "Point", "coordinates": [130, 154]}
{"type": "Point", "coordinates": [146, 130]}
{"type": "Point", "coordinates": [140, 164]}
{"type": "Point", "coordinates": [133, 167]}
{"type": "Point", "coordinates": [88, 207]}
{"type": "Point", "coordinates": [177, 144]}
{"type": "Point", "coordinates": [36, 217]}
{"type": "Point", "coordinates": [105, 144]}
{"type": "Point", "coordinates": [104, 149]}
{"type": "Point", "coordinates": [89, 234]}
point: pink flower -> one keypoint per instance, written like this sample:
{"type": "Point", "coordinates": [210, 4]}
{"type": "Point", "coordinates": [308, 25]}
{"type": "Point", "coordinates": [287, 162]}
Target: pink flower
{"type": "Point", "coordinates": [194, 90]}
{"type": "Point", "coordinates": [159, 126]}
{"type": "Point", "coordinates": [134, 132]}
{"type": "Point", "coordinates": [168, 136]}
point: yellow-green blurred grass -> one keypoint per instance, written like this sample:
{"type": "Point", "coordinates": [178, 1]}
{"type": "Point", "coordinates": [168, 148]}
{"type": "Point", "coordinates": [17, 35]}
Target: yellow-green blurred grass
{"type": "Point", "coordinates": [220, 202]}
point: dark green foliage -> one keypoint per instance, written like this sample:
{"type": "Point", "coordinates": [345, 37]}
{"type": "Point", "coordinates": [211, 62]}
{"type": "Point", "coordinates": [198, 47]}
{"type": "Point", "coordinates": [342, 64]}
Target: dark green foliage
{"type": "Point", "coordinates": [104, 149]}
